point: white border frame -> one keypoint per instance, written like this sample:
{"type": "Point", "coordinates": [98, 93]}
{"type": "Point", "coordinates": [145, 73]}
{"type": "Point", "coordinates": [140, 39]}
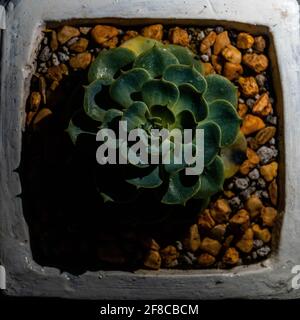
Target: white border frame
{"type": "Point", "coordinates": [272, 279]}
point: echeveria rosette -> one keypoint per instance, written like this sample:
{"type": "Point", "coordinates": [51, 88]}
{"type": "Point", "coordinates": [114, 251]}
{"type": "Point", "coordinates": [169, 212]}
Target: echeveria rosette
{"type": "Point", "coordinates": [162, 86]}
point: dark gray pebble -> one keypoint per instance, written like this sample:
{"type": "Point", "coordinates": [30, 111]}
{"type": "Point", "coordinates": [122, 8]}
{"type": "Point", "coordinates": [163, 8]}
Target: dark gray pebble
{"type": "Point", "coordinates": [45, 54]}
{"type": "Point", "coordinates": [263, 251]}
{"type": "Point", "coordinates": [254, 174]}
{"type": "Point", "coordinates": [241, 183]}
{"type": "Point", "coordinates": [266, 154]}
{"type": "Point", "coordinates": [234, 202]}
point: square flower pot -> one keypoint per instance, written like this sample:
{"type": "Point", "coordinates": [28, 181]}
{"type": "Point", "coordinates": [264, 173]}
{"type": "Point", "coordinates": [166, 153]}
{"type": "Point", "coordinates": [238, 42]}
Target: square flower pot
{"type": "Point", "coordinates": [272, 278]}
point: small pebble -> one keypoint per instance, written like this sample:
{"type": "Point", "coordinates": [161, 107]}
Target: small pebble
{"type": "Point", "coordinates": [266, 154]}
{"type": "Point", "coordinates": [201, 35]}
{"type": "Point", "coordinates": [232, 34]}
{"type": "Point", "coordinates": [241, 100]}
{"type": "Point", "coordinates": [42, 70]}
{"type": "Point", "coordinates": [72, 41]}
{"type": "Point", "coordinates": [55, 60]}
{"type": "Point", "coordinates": [272, 142]}
{"type": "Point", "coordinates": [261, 183]}
{"type": "Point", "coordinates": [173, 264]}
{"type": "Point", "coordinates": [248, 258]}
{"type": "Point", "coordinates": [260, 79]}
{"type": "Point", "coordinates": [241, 183]}
{"type": "Point", "coordinates": [45, 41]}
{"type": "Point", "coordinates": [258, 193]}
{"type": "Point", "coordinates": [179, 245]}
{"type": "Point", "coordinates": [263, 90]}
{"type": "Point", "coordinates": [186, 259]}
{"type": "Point", "coordinates": [219, 29]}
{"type": "Point", "coordinates": [248, 86]}
{"type": "Point", "coordinates": [81, 60]}
{"type": "Point", "coordinates": [230, 185]}
{"type": "Point", "coordinates": [275, 150]}
{"type": "Point", "coordinates": [257, 243]}
{"type": "Point", "coordinates": [247, 193]}
{"type": "Point", "coordinates": [45, 54]}
{"type": "Point", "coordinates": [254, 255]}
{"type": "Point", "coordinates": [265, 194]}
{"type": "Point", "coordinates": [250, 50]}
{"type": "Point", "coordinates": [257, 96]}
{"type": "Point", "coordinates": [208, 30]}
{"type": "Point", "coordinates": [204, 57]}
{"type": "Point", "coordinates": [85, 30]}
{"type": "Point", "coordinates": [95, 50]}
{"type": "Point", "coordinates": [65, 50]}
{"type": "Point", "coordinates": [254, 174]}
{"type": "Point", "coordinates": [235, 202]}
{"type": "Point", "coordinates": [272, 119]}
{"type": "Point", "coordinates": [191, 256]}
{"type": "Point", "coordinates": [250, 102]}
{"type": "Point", "coordinates": [63, 57]}
{"type": "Point", "coordinates": [263, 251]}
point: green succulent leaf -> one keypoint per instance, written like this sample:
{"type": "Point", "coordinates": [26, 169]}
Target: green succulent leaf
{"type": "Point", "coordinates": [178, 191]}
{"type": "Point", "coordinates": [212, 140]}
{"type": "Point", "coordinates": [181, 74]}
{"type": "Point", "coordinates": [234, 155]}
{"type": "Point", "coordinates": [128, 83]}
{"type": "Point", "coordinates": [184, 120]}
{"type": "Point", "coordinates": [109, 116]}
{"type": "Point", "coordinates": [124, 153]}
{"type": "Point", "coordinates": [166, 116]}
{"type": "Point", "coordinates": [140, 44]}
{"type": "Point", "coordinates": [219, 87]}
{"type": "Point", "coordinates": [225, 116]}
{"type": "Point", "coordinates": [198, 66]}
{"type": "Point", "coordinates": [191, 100]}
{"type": "Point", "coordinates": [155, 61]}
{"type": "Point", "coordinates": [106, 198]}
{"type": "Point", "coordinates": [164, 88]}
{"type": "Point", "coordinates": [185, 56]}
{"type": "Point", "coordinates": [74, 131]}
{"type": "Point", "coordinates": [151, 180]}
{"type": "Point", "coordinates": [212, 179]}
{"type": "Point", "coordinates": [136, 115]}
{"type": "Point", "coordinates": [159, 93]}
{"type": "Point", "coordinates": [89, 104]}
{"type": "Point", "coordinates": [173, 159]}
{"type": "Point", "coordinates": [176, 157]}
{"type": "Point", "coordinates": [108, 63]}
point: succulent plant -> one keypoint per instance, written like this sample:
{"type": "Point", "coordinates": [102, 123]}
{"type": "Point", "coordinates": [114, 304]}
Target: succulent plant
{"type": "Point", "coordinates": [151, 85]}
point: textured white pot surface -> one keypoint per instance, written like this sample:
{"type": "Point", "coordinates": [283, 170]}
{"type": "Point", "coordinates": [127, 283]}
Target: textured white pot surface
{"type": "Point", "coordinates": [272, 278]}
